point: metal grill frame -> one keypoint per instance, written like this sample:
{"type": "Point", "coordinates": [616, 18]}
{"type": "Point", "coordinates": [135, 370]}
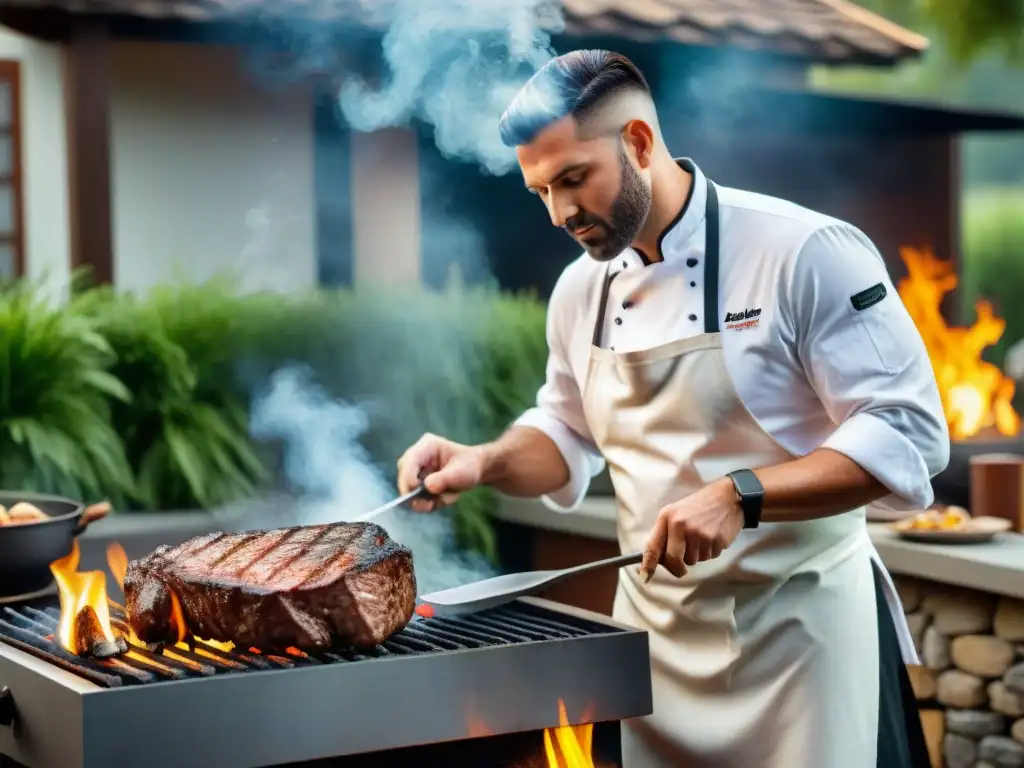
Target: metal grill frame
{"type": "Point", "coordinates": [279, 716]}
{"type": "Point", "coordinates": [34, 630]}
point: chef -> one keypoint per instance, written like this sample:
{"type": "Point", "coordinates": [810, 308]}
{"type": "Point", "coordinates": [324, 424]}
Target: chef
{"type": "Point", "coordinates": [752, 379]}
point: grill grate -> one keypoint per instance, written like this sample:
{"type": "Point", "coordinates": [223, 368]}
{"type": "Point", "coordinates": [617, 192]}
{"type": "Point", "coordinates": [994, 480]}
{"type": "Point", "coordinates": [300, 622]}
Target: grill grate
{"type": "Point", "coordinates": [34, 630]}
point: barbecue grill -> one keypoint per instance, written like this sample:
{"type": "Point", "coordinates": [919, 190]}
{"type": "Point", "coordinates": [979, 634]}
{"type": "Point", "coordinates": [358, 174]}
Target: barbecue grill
{"type": "Point", "coordinates": [498, 672]}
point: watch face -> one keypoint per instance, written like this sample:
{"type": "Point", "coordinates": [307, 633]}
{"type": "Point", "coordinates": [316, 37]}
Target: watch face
{"type": "Point", "coordinates": [747, 484]}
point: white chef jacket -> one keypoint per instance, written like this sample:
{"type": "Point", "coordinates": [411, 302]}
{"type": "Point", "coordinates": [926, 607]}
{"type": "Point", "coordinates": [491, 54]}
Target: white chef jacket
{"type": "Point", "coordinates": [816, 359]}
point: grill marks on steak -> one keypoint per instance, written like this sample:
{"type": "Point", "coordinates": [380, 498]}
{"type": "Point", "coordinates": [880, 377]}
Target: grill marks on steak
{"type": "Point", "coordinates": [308, 587]}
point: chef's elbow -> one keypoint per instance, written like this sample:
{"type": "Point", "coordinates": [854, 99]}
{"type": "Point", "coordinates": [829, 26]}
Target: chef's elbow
{"type": "Point", "coordinates": [930, 434]}
{"type": "Point", "coordinates": [936, 452]}
{"type": "Point", "coordinates": [901, 447]}
{"type": "Point", "coordinates": [925, 432]}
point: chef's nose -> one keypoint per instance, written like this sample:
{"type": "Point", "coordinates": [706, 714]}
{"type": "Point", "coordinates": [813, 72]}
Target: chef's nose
{"type": "Point", "coordinates": [561, 209]}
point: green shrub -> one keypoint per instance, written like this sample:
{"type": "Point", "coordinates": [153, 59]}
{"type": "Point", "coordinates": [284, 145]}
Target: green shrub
{"type": "Point", "coordinates": [993, 261]}
{"type": "Point", "coordinates": [463, 363]}
{"type": "Point", "coordinates": [56, 392]}
{"type": "Point", "coordinates": [184, 435]}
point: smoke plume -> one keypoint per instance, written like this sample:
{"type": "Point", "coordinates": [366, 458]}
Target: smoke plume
{"type": "Point", "coordinates": [455, 65]}
{"type": "Point", "coordinates": [334, 479]}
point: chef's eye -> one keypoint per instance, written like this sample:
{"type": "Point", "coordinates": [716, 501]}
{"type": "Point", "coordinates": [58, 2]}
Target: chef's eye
{"type": "Point", "coordinates": [574, 180]}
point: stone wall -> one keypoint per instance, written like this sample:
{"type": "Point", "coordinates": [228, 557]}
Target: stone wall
{"type": "Point", "coordinates": [970, 686]}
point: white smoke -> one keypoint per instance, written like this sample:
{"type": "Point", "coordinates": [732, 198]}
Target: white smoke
{"type": "Point", "coordinates": [335, 480]}
{"type": "Point", "coordinates": [715, 97]}
{"type": "Point", "coordinates": [455, 64]}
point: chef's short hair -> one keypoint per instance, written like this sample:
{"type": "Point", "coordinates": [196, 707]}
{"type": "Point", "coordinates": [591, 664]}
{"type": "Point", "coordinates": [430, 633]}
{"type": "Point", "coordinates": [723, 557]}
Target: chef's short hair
{"type": "Point", "coordinates": [575, 83]}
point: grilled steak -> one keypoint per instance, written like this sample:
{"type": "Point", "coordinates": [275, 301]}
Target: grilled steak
{"type": "Point", "coordinates": [310, 587]}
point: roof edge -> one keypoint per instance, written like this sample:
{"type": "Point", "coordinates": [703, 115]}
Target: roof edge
{"type": "Point", "coordinates": [982, 118]}
{"type": "Point", "coordinates": [880, 24]}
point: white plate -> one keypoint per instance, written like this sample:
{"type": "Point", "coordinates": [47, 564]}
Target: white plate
{"type": "Point", "coordinates": [978, 530]}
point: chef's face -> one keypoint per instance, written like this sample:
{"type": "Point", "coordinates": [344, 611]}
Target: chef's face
{"type": "Point", "coordinates": [591, 187]}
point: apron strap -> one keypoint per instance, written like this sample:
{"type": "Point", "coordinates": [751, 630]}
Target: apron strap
{"type": "Point", "coordinates": [602, 306]}
{"type": "Point", "coordinates": [901, 742]}
{"type": "Point", "coordinates": [711, 250]}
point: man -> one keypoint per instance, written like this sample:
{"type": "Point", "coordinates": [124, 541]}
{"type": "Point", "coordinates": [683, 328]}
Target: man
{"type": "Point", "coordinates": [752, 379]}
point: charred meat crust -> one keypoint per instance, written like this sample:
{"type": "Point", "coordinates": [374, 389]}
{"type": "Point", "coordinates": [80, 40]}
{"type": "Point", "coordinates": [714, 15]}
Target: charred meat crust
{"type": "Point", "coordinates": [346, 584]}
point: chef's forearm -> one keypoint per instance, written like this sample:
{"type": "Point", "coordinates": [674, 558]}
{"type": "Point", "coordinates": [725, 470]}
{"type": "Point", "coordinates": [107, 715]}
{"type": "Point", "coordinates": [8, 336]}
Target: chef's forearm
{"type": "Point", "coordinates": [524, 462]}
{"type": "Point", "coordinates": [821, 484]}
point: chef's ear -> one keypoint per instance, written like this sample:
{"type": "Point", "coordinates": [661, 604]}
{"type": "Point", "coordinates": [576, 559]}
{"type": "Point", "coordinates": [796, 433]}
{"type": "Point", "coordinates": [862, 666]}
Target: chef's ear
{"type": "Point", "coordinates": [639, 138]}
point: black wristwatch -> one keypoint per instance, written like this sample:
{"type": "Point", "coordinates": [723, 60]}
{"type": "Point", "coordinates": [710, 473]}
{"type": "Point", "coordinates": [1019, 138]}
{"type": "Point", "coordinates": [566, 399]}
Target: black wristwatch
{"type": "Point", "coordinates": [751, 495]}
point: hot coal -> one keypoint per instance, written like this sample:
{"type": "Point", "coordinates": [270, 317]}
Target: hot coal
{"type": "Point", "coordinates": [315, 587]}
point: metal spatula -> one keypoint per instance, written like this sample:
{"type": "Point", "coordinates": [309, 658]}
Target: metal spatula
{"type": "Point", "coordinates": [415, 493]}
{"type": "Point", "coordinates": [490, 593]}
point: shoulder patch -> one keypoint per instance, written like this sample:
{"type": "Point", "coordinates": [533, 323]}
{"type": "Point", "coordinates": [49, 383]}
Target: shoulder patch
{"type": "Point", "coordinates": [868, 297]}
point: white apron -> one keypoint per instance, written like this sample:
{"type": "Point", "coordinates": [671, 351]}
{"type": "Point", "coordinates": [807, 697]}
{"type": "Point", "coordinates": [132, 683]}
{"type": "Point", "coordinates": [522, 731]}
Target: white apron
{"type": "Point", "coordinates": [768, 655]}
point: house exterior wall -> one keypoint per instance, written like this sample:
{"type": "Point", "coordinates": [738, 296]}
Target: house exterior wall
{"type": "Point", "coordinates": [212, 171]}
{"type": "Point", "coordinates": [44, 156]}
{"type": "Point", "coordinates": [386, 210]}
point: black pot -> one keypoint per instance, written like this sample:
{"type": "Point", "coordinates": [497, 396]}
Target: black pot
{"type": "Point", "coordinates": [953, 484]}
{"type": "Point", "coordinates": [26, 551]}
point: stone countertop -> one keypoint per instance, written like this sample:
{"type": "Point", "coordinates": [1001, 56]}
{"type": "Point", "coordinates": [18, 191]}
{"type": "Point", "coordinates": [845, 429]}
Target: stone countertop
{"type": "Point", "coordinates": [996, 566]}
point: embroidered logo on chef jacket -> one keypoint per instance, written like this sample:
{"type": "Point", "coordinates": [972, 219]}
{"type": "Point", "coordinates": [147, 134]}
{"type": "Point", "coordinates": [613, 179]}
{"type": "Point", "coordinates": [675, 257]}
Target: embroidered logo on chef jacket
{"type": "Point", "coordinates": [868, 297]}
{"type": "Point", "coordinates": [741, 321]}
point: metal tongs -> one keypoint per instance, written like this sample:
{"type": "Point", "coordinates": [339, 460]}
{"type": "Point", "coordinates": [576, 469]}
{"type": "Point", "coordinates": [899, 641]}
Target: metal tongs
{"type": "Point", "coordinates": [417, 492]}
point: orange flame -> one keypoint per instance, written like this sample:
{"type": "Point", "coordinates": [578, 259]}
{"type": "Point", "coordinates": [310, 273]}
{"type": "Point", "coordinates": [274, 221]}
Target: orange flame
{"type": "Point", "coordinates": [975, 394]}
{"type": "Point", "coordinates": [78, 591]}
{"type": "Point", "coordinates": [117, 562]}
{"type": "Point", "coordinates": [569, 746]}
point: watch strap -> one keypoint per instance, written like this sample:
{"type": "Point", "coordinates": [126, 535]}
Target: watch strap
{"type": "Point", "coordinates": [751, 496]}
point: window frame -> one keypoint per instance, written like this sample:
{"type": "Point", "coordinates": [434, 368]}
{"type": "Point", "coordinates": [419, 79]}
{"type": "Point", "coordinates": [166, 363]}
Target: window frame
{"type": "Point", "coordinates": [10, 73]}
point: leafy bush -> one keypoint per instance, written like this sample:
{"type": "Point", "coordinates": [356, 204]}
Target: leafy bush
{"type": "Point", "coordinates": [56, 393]}
{"type": "Point", "coordinates": [185, 436]}
{"type": "Point", "coordinates": [177, 370]}
{"type": "Point", "coordinates": [993, 261]}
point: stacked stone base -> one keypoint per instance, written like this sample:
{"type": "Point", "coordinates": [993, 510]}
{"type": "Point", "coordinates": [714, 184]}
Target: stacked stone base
{"type": "Point", "coordinates": [970, 687]}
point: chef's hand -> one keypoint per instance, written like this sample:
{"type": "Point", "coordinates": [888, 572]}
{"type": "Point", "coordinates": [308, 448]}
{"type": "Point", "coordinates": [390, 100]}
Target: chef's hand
{"type": "Point", "coordinates": [446, 469]}
{"type": "Point", "coordinates": [694, 529]}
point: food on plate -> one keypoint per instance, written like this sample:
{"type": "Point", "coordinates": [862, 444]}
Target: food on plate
{"type": "Point", "coordinates": [949, 518]}
{"type": "Point", "coordinates": [344, 584]}
{"type": "Point", "coordinates": [21, 513]}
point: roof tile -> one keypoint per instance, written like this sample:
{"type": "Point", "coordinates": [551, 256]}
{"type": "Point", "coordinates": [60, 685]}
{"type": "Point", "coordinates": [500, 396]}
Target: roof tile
{"type": "Point", "coordinates": [818, 30]}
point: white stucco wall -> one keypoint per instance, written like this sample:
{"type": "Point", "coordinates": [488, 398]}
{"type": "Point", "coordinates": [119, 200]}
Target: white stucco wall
{"type": "Point", "coordinates": [43, 155]}
{"type": "Point", "coordinates": [385, 207]}
{"type": "Point", "coordinates": [211, 170]}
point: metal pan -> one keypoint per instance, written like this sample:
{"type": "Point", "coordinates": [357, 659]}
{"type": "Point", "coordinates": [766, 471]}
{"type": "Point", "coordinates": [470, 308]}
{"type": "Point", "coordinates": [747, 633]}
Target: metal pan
{"type": "Point", "coordinates": [27, 550]}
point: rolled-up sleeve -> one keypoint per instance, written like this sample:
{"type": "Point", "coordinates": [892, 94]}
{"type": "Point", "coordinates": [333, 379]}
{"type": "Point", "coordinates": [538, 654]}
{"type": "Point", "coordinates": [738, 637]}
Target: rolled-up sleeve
{"type": "Point", "coordinates": [867, 362]}
{"type": "Point", "coordinates": [559, 410]}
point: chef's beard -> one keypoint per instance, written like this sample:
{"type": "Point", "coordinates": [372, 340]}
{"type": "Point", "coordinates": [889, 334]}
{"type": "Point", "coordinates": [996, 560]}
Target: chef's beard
{"type": "Point", "coordinates": [625, 220]}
